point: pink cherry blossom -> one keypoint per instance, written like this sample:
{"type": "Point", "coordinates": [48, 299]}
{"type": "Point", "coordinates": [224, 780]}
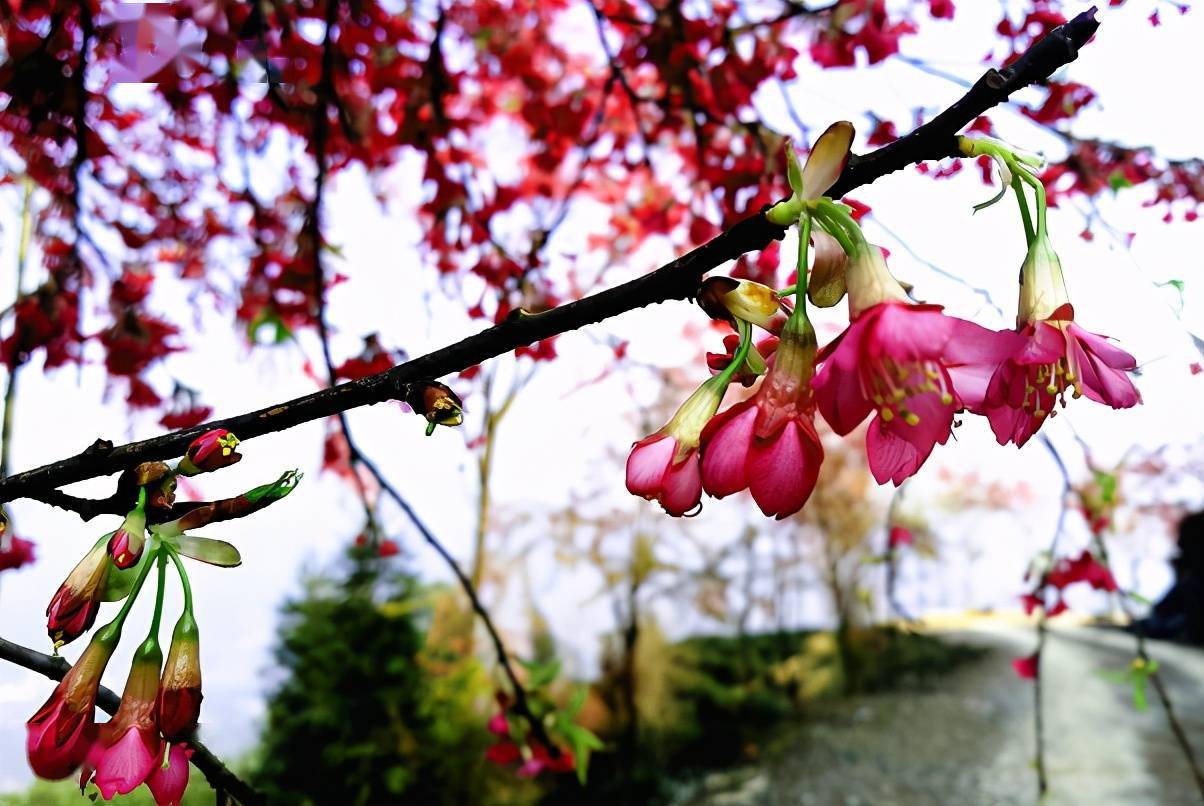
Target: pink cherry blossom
{"type": "Point", "coordinates": [1055, 357]}
{"type": "Point", "coordinates": [768, 443]}
{"type": "Point", "coordinates": [915, 367]}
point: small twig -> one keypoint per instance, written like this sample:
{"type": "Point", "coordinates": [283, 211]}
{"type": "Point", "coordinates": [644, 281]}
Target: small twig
{"type": "Point", "coordinates": [1038, 693]}
{"type": "Point", "coordinates": [219, 776]}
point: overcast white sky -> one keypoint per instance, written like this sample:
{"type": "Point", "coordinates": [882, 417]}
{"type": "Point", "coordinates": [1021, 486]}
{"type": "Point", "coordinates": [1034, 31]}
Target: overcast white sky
{"type": "Point", "coordinates": [558, 438]}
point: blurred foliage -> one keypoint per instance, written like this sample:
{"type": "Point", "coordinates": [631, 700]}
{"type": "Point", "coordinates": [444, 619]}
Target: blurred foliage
{"type": "Point", "coordinates": [379, 703]}
{"type": "Point", "coordinates": [66, 793]}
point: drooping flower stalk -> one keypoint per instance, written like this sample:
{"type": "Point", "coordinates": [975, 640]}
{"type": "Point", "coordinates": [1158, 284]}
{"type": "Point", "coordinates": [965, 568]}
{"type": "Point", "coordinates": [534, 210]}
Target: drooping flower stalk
{"type": "Point", "coordinates": [1054, 357]}
{"type": "Point", "coordinates": [768, 443]}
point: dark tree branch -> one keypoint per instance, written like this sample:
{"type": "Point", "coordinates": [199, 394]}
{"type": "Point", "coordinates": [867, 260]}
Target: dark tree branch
{"type": "Point", "coordinates": [675, 280]}
{"type": "Point", "coordinates": [937, 138]}
{"type": "Point", "coordinates": [219, 776]}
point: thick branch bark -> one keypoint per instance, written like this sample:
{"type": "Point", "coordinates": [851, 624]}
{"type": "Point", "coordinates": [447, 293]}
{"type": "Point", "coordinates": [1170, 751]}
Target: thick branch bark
{"type": "Point", "coordinates": [675, 280]}
{"type": "Point", "coordinates": [220, 777]}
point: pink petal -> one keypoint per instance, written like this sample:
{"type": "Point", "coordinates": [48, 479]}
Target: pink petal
{"type": "Point", "coordinates": [1107, 352]}
{"type": "Point", "coordinates": [970, 343]}
{"type": "Point", "coordinates": [1013, 425]}
{"type": "Point", "coordinates": [167, 785]}
{"type": "Point", "coordinates": [970, 383]}
{"type": "Point", "coordinates": [1102, 383]}
{"type": "Point", "coordinates": [682, 486]}
{"type": "Point", "coordinates": [909, 332]}
{"type": "Point", "coordinates": [839, 397]}
{"type": "Point", "coordinates": [647, 463]}
{"type": "Point", "coordinates": [783, 469]}
{"type": "Point", "coordinates": [891, 458]}
{"type": "Point", "coordinates": [725, 450]}
{"type": "Point", "coordinates": [1043, 344]}
{"type": "Point", "coordinates": [126, 763]}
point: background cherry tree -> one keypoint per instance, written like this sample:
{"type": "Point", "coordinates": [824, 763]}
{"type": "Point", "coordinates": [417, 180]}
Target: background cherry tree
{"type": "Point", "coordinates": [218, 189]}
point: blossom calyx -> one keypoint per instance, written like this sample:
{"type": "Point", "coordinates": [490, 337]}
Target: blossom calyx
{"type": "Point", "coordinates": [210, 451]}
{"type": "Point", "coordinates": [728, 299]}
{"type": "Point", "coordinates": [1042, 285]}
{"type": "Point", "coordinates": [869, 281]}
{"type": "Point", "coordinates": [436, 402]}
{"type": "Point", "coordinates": [180, 687]}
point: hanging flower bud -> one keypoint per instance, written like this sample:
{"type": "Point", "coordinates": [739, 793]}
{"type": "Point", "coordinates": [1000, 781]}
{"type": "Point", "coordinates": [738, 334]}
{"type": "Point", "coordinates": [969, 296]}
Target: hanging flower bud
{"type": "Point", "coordinates": [210, 451]}
{"type": "Point", "coordinates": [129, 747]}
{"type": "Point", "coordinates": [436, 402]}
{"type": "Point", "coordinates": [72, 610]}
{"type": "Point", "coordinates": [180, 688]}
{"type": "Point", "coordinates": [664, 466]}
{"type": "Point", "coordinates": [59, 734]}
{"type": "Point", "coordinates": [125, 546]}
{"type": "Point", "coordinates": [728, 299]}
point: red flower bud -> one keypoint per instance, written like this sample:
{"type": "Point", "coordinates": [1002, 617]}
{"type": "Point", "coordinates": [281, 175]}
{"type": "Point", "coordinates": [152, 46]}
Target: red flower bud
{"type": "Point", "coordinates": [72, 610]}
{"type": "Point", "coordinates": [125, 546]}
{"type": "Point", "coordinates": [180, 688]}
{"type": "Point", "coordinates": [436, 402]}
{"type": "Point", "coordinates": [59, 734]}
{"type": "Point", "coordinates": [210, 451]}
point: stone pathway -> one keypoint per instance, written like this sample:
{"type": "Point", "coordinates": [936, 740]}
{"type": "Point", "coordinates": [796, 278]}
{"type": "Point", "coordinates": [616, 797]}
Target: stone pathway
{"type": "Point", "coordinates": [968, 739]}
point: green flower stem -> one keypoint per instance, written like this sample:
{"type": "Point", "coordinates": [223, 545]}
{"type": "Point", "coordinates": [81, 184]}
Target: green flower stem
{"type": "Point", "coordinates": [175, 558]}
{"type": "Point", "coordinates": [804, 242]}
{"type": "Point", "coordinates": [1039, 189]}
{"type": "Point", "coordinates": [840, 225]}
{"type": "Point", "coordinates": [161, 559]}
{"type": "Point", "coordinates": [112, 630]}
{"type": "Point", "coordinates": [725, 377]}
{"type": "Point", "coordinates": [1025, 216]}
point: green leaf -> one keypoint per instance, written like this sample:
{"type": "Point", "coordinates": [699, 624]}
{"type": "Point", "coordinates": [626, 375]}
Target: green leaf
{"type": "Point", "coordinates": [1118, 182]}
{"type": "Point", "coordinates": [576, 703]}
{"type": "Point", "coordinates": [1107, 485]}
{"type": "Point", "coordinates": [582, 742]}
{"type": "Point", "coordinates": [267, 318]}
{"type": "Point", "coordinates": [207, 550]}
{"type": "Point", "coordinates": [277, 489]}
{"type": "Point", "coordinates": [541, 673]}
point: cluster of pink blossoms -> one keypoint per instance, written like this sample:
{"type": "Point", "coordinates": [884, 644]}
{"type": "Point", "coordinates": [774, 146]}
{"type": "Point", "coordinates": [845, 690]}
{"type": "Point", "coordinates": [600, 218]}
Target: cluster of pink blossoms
{"type": "Point", "coordinates": [905, 366]}
{"type": "Point", "coordinates": [146, 741]}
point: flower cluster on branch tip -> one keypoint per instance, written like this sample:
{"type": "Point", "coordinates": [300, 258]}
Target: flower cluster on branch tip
{"type": "Point", "coordinates": [904, 365]}
{"type": "Point", "coordinates": [146, 741]}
